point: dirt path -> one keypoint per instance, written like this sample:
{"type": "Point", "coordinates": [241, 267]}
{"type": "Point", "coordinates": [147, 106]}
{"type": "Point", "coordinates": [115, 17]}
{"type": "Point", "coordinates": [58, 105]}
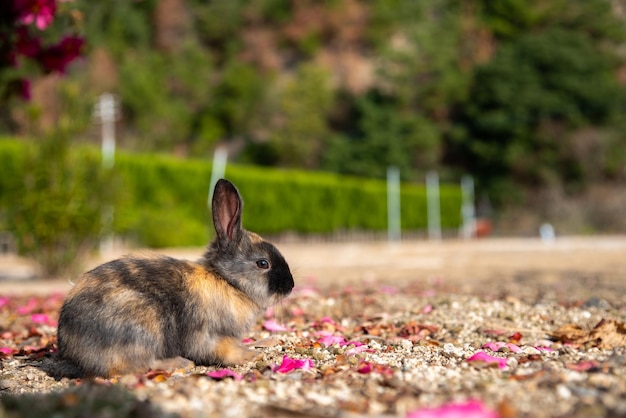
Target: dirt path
{"type": "Point", "coordinates": [467, 265]}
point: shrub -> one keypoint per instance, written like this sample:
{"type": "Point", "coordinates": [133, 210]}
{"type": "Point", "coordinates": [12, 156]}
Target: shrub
{"type": "Point", "coordinates": [163, 201]}
{"type": "Point", "coordinates": [52, 201]}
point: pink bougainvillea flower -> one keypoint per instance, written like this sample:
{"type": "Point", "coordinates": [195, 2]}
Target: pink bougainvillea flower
{"type": "Point", "coordinates": [427, 309]}
{"type": "Point", "coordinates": [366, 367]}
{"type": "Point", "coordinates": [40, 318]}
{"type": "Point", "coordinates": [7, 350]}
{"type": "Point", "coordinates": [329, 340]}
{"type": "Point", "coordinates": [58, 57]}
{"type": "Point", "coordinates": [389, 290]}
{"type": "Point", "coordinates": [273, 326]}
{"type": "Point", "coordinates": [30, 306]}
{"type": "Point", "coordinates": [224, 373]}
{"type": "Point", "coordinates": [3, 301]}
{"type": "Point", "coordinates": [26, 44]}
{"type": "Point", "coordinates": [306, 291]}
{"type": "Point", "coordinates": [39, 12]}
{"type": "Point", "coordinates": [482, 357]}
{"type": "Point", "coordinates": [498, 345]}
{"type": "Point", "coordinates": [24, 89]}
{"type": "Point", "coordinates": [583, 366]}
{"type": "Point", "coordinates": [289, 364]}
{"type": "Point", "coordinates": [468, 409]}
{"type": "Point", "coordinates": [297, 311]}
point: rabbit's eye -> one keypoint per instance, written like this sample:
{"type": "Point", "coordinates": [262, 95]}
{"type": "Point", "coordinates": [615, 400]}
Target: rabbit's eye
{"type": "Point", "coordinates": [263, 264]}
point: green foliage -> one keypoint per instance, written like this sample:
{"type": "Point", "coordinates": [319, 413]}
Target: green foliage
{"type": "Point", "coordinates": [52, 201]}
{"type": "Point", "coordinates": [509, 90]}
{"type": "Point", "coordinates": [117, 24]}
{"type": "Point", "coordinates": [300, 109]}
{"type": "Point", "coordinates": [402, 122]}
{"type": "Point", "coordinates": [386, 135]}
{"type": "Point", "coordinates": [162, 201]}
{"type": "Point", "coordinates": [525, 102]}
{"type": "Point", "coordinates": [165, 96]}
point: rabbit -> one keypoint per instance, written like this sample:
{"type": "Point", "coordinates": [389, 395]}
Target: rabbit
{"type": "Point", "coordinates": [134, 314]}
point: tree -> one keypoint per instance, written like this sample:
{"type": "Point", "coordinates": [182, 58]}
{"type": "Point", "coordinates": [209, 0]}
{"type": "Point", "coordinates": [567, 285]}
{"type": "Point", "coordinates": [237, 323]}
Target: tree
{"type": "Point", "coordinates": [526, 101]}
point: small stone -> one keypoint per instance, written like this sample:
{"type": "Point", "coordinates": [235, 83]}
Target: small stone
{"type": "Point", "coordinates": [531, 350]}
{"type": "Point", "coordinates": [563, 392]}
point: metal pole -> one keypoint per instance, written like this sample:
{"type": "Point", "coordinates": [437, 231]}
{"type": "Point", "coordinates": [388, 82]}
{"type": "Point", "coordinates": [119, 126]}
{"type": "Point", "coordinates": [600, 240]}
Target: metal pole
{"type": "Point", "coordinates": [432, 196]}
{"type": "Point", "coordinates": [107, 114]}
{"type": "Point", "coordinates": [393, 204]}
{"type": "Point", "coordinates": [468, 212]}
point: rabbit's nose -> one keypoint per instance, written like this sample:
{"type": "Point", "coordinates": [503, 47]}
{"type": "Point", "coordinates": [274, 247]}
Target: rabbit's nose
{"type": "Point", "coordinates": [280, 280]}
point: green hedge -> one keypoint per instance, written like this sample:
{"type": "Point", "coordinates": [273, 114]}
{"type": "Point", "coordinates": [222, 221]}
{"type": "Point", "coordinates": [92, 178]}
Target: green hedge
{"type": "Point", "coordinates": [162, 200]}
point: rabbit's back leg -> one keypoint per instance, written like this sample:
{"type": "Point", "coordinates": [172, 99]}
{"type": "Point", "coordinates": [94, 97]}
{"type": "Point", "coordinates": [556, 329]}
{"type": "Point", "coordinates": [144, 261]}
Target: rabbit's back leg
{"type": "Point", "coordinates": [119, 337]}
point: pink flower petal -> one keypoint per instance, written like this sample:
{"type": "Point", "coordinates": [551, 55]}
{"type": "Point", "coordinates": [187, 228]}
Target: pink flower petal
{"type": "Point", "coordinates": [583, 366]}
{"type": "Point", "coordinates": [469, 409]}
{"type": "Point", "coordinates": [427, 309]}
{"type": "Point", "coordinates": [224, 373]}
{"type": "Point", "coordinates": [297, 311]}
{"type": "Point", "coordinates": [364, 367]}
{"type": "Point", "coordinates": [482, 357]}
{"type": "Point", "coordinates": [40, 318]}
{"type": "Point", "coordinates": [306, 291]}
{"type": "Point", "coordinates": [28, 308]}
{"type": "Point", "coordinates": [389, 290]}
{"type": "Point", "coordinates": [272, 325]}
{"type": "Point", "coordinates": [7, 350]}
{"type": "Point", "coordinates": [3, 301]}
{"type": "Point", "coordinates": [547, 349]}
{"type": "Point", "coordinates": [360, 349]}
{"type": "Point", "coordinates": [498, 345]}
{"type": "Point", "coordinates": [329, 340]}
{"type": "Point", "coordinates": [290, 364]}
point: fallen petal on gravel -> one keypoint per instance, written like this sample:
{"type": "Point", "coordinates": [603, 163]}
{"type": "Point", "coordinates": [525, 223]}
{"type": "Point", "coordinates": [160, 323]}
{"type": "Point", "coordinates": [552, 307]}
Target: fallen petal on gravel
{"type": "Point", "coordinates": [274, 326]}
{"type": "Point", "coordinates": [469, 409]}
{"type": "Point", "coordinates": [498, 345]}
{"type": "Point", "coordinates": [329, 340]}
{"type": "Point", "coordinates": [482, 357]}
{"type": "Point", "coordinates": [7, 350]}
{"type": "Point", "coordinates": [290, 364]}
{"type": "Point", "coordinates": [224, 373]}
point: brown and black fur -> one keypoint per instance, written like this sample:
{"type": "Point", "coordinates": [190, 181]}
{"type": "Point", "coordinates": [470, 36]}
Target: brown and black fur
{"type": "Point", "coordinates": [133, 314]}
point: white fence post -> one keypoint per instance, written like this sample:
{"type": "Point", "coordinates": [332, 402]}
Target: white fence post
{"type": "Point", "coordinates": [218, 170]}
{"type": "Point", "coordinates": [393, 204]}
{"type": "Point", "coordinates": [468, 211]}
{"type": "Point", "coordinates": [433, 206]}
{"type": "Point", "coordinates": [106, 112]}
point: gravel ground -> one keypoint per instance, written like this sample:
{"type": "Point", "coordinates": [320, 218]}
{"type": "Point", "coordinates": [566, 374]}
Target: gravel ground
{"type": "Point", "coordinates": [498, 328]}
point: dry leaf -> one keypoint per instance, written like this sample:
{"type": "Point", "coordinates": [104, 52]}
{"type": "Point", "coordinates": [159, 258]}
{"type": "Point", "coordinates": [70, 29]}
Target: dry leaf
{"type": "Point", "coordinates": [608, 333]}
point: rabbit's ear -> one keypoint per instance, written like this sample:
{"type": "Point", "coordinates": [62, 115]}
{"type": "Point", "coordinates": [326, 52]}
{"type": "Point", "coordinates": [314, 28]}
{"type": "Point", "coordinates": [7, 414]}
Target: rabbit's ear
{"type": "Point", "coordinates": [226, 208]}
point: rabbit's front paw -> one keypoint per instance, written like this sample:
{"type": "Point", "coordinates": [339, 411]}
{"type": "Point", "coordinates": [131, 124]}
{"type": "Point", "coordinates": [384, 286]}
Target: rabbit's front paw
{"type": "Point", "coordinates": [171, 364]}
{"type": "Point", "coordinates": [231, 352]}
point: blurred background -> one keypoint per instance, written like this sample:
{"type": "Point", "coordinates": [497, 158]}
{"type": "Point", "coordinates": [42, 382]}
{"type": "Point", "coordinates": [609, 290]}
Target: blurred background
{"type": "Point", "coordinates": [312, 101]}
